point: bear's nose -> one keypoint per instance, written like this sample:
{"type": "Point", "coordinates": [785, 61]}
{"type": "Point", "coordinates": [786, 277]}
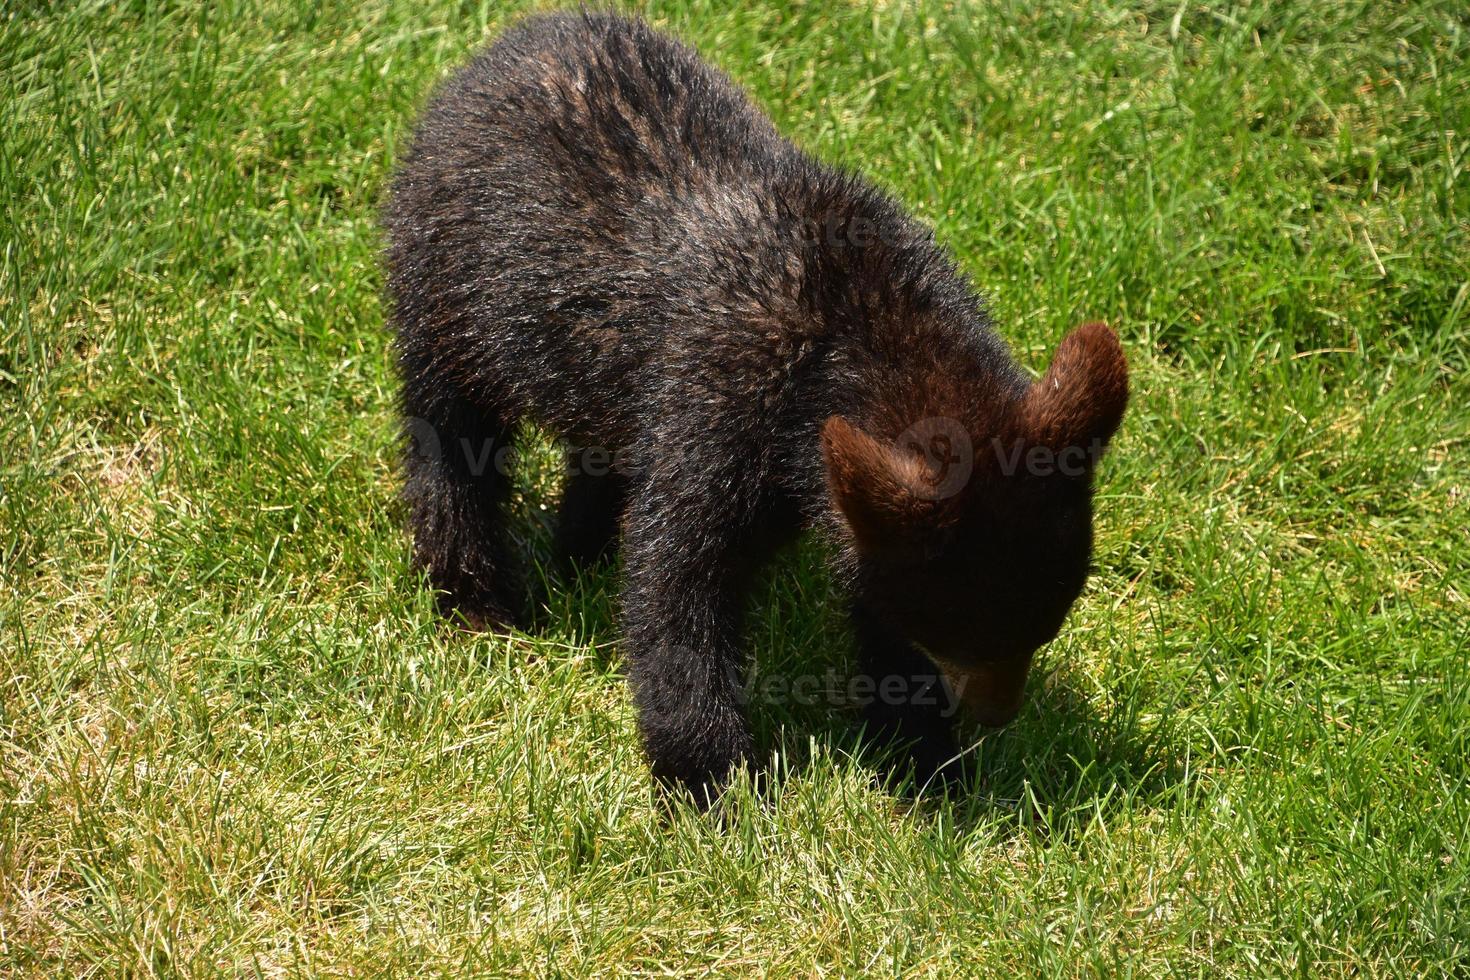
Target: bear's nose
{"type": "Point", "coordinates": [991, 691]}
{"type": "Point", "coordinates": [995, 714]}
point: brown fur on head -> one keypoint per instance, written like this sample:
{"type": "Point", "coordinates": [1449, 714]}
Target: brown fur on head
{"type": "Point", "coordinates": [982, 575]}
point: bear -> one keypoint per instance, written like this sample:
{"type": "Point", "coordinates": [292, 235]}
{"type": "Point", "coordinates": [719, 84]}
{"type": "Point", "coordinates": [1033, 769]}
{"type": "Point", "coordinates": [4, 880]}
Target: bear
{"type": "Point", "coordinates": [593, 231]}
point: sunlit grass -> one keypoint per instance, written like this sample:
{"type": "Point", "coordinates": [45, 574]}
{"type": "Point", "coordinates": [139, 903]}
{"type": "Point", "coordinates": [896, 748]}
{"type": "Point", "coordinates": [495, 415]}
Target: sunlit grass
{"type": "Point", "coordinates": [234, 736]}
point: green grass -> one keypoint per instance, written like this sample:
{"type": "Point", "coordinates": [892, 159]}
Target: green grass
{"type": "Point", "coordinates": [234, 736]}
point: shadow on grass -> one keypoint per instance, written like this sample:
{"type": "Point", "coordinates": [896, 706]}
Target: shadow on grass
{"type": "Point", "coordinates": [1052, 770]}
{"type": "Point", "coordinates": [1061, 756]}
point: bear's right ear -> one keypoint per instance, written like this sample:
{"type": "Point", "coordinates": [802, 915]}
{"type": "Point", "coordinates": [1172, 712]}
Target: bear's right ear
{"type": "Point", "coordinates": [1081, 398]}
{"type": "Point", "coordinates": [879, 490]}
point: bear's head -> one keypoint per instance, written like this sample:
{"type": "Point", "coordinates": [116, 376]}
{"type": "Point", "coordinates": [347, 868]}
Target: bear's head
{"type": "Point", "coordinates": [974, 544]}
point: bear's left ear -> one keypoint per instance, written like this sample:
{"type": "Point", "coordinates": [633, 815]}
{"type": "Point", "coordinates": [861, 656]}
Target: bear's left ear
{"type": "Point", "coordinates": [1081, 398]}
{"type": "Point", "coordinates": [879, 490]}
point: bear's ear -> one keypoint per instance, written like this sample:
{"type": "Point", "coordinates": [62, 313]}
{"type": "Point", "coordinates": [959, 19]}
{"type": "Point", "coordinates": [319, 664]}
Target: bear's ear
{"type": "Point", "coordinates": [1079, 402]}
{"type": "Point", "coordinates": [880, 490]}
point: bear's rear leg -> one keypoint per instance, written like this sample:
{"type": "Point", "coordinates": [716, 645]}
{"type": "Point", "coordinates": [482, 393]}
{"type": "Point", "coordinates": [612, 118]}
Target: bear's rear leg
{"type": "Point", "coordinates": [457, 485]}
{"type": "Point", "coordinates": [591, 512]}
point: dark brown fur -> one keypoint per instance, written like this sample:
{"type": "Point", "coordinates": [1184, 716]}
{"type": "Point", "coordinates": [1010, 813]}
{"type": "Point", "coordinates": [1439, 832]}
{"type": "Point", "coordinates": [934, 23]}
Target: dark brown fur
{"type": "Point", "coordinates": [594, 230]}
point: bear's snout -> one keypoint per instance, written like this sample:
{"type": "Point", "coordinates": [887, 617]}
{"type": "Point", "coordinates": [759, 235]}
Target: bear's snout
{"type": "Point", "coordinates": [990, 692]}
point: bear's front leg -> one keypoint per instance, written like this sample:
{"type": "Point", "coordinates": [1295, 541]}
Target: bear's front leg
{"type": "Point", "coordinates": [688, 552]}
{"type": "Point", "coordinates": [908, 704]}
{"type": "Point", "coordinates": [685, 667]}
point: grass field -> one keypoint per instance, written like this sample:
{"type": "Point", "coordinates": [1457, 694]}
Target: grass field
{"type": "Point", "coordinates": [234, 736]}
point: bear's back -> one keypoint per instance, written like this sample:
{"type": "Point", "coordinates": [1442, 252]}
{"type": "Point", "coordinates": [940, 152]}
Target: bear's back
{"type": "Point", "coordinates": [558, 208]}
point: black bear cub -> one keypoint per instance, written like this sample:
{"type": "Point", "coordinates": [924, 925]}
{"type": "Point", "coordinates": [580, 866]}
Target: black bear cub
{"type": "Point", "coordinates": [596, 231]}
